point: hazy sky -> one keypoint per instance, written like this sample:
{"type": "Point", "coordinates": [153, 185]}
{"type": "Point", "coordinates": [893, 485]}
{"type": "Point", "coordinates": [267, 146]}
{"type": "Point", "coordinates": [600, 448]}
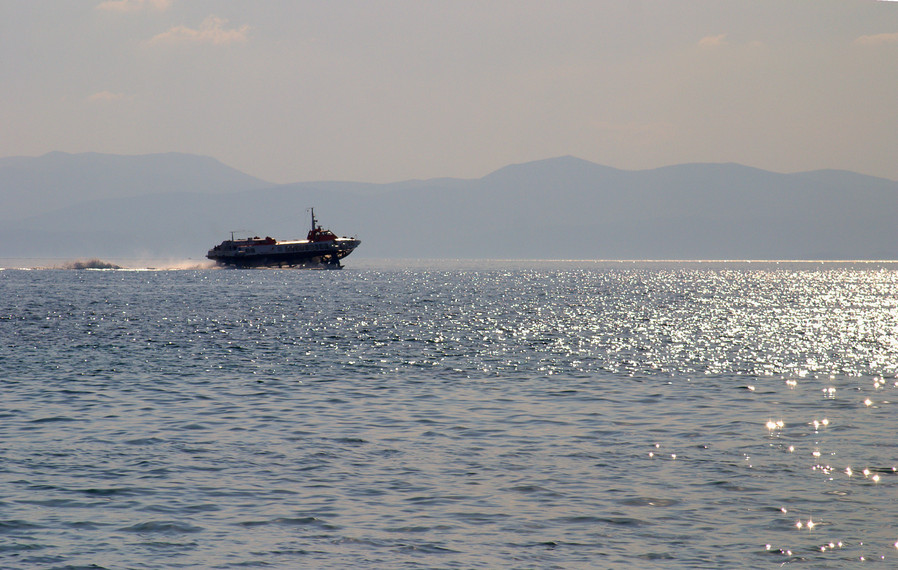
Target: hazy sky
{"type": "Point", "coordinates": [379, 91]}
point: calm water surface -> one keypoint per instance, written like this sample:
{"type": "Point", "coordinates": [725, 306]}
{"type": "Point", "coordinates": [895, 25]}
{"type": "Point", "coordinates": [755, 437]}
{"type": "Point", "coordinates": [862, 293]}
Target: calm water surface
{"type": "Point", "coordinates": [451, 415]}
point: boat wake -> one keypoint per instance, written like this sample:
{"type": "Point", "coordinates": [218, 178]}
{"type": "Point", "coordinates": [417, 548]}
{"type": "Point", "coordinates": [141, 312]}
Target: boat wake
{"type": "Point", "coordinates": [89, 264]}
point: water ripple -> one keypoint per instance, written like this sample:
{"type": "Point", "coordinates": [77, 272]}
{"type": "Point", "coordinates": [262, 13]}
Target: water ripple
{"type": "Point", "coordinates": [613, 415]}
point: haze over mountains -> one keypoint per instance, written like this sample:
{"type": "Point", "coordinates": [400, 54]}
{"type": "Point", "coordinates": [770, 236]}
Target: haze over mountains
{"type": "Point", "coordinates": [177, 206]}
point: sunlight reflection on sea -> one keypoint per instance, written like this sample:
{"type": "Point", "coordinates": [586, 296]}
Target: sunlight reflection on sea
{"type": "Point", "coordinates": [461, 414]}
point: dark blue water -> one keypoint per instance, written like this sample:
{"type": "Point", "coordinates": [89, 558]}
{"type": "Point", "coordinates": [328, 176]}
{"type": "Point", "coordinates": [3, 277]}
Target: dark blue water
{"type": "Point", "coordinates": [451, 415]}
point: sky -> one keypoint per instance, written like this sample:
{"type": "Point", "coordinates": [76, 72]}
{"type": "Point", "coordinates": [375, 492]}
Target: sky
{"type": "Point", "coordinates": [390, 90]}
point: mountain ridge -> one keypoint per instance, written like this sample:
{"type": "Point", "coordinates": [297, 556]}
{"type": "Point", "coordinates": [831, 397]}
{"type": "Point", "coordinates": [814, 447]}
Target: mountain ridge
{"type": "Point", "coordinates": [561, 208]}
{"type": "Point", "coordinates": [27, 184]}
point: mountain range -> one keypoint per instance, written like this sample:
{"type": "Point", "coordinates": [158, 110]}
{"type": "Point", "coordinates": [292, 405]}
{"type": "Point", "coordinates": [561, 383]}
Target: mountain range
{"type": "Point", "coordinates": [177, 206]}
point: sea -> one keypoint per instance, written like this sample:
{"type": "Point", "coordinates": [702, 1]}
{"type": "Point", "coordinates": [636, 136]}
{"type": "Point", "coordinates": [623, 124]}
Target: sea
{"type": "Point", "coordinates": [451, 414]}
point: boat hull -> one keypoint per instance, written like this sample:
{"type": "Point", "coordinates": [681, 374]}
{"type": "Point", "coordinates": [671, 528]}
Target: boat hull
{"type": "Point", "coordinates": [302, 254]}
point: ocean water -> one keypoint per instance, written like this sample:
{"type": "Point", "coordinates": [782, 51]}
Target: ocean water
{"type": "Point", "coordinates": [451, 415]}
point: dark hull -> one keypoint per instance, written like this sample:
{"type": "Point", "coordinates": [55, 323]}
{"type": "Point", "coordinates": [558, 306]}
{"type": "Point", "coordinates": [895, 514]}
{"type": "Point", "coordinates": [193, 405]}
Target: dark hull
{"type": "Point", "coordinates": [310, 260]}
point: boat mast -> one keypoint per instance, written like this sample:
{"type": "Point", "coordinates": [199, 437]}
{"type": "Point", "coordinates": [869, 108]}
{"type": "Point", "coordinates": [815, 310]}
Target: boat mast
{"type": "Point", "coordinates": [313, 218]}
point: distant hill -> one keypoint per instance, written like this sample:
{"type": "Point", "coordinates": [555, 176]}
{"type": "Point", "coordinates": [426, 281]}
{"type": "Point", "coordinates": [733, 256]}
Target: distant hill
{"type": "Point", "coordinates": [561, 208]}
{"type": "Point", "coordinates": [30, 186]}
